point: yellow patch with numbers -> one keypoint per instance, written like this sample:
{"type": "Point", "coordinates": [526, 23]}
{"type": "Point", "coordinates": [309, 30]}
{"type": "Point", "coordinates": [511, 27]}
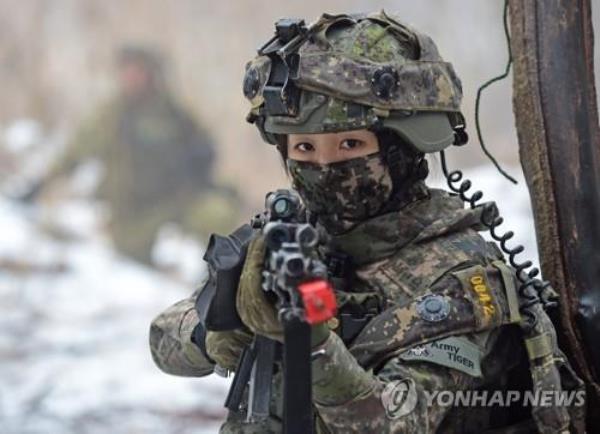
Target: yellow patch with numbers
{"type": "Point", "coordinates": [476, 286]}
{"type": "Point", "coordinates": [481, 289]}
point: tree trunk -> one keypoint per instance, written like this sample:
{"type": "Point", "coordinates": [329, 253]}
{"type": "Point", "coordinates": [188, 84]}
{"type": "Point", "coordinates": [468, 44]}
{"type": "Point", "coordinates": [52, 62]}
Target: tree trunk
{"type": "Point", "coordinates": [559, 146]}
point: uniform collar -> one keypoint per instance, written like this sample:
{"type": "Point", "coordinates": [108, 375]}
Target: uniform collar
{"type": "Point", "coordinates": [437, 214]}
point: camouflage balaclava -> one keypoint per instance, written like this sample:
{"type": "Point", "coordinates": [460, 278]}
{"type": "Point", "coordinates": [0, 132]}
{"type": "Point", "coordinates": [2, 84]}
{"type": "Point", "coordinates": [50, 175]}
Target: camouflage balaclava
{"type": "Point", "coordinates": [349, 72]}
{"type": "Point", "coordinates": [343, 193]}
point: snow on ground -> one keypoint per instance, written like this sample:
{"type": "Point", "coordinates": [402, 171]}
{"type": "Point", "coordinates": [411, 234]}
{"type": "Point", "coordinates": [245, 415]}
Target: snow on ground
{"type": "Point", "coordinates": [74, 356]}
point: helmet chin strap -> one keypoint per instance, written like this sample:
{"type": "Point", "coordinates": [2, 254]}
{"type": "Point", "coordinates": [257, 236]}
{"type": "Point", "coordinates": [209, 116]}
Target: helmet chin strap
{"type": "Point", "coordinates": [406, 173]}
{"type": "Point", "coordinates": [396, 166]}
{"type": "Point", "coordinates": [403, 168]}
{"type": "Point", "coordinates": [407, 168]}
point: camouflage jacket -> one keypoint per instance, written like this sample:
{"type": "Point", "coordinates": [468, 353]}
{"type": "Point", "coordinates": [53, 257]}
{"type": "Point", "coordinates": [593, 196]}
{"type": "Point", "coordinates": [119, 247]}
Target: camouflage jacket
{"type": "Point", "coordinates": [157, 165]}
{"type": "Point", "coordinates": [443, 324]}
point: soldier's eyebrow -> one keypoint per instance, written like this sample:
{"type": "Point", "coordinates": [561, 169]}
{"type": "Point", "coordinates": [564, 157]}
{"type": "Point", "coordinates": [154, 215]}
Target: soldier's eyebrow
{"type": "Point", "coordinates": [300, 139]}
{"type": "Point", "coordinates": [355, 134]}
{"type": "Point", "coordinates": [356, 137]}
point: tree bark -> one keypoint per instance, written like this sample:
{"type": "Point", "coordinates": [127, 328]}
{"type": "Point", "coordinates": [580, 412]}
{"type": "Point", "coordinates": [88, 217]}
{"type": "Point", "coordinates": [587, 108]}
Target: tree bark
{"type": "Point", "coordinates": [556, 115]}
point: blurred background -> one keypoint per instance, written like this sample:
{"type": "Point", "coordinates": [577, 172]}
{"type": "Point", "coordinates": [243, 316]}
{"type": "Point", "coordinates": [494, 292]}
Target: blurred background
{"type": "Point", "coordinates": [123, 145]}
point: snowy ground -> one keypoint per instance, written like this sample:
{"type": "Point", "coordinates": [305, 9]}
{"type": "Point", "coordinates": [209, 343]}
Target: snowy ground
{"type": "Point", "coordinates": [74, 356]}
{"type": "Point", "coordinates": [74, 318]}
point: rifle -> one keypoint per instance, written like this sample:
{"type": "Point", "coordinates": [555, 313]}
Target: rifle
{"type": "Point", "coordinates": [298, 279]}
{"type": "Point", "coordinates": [295, 278]}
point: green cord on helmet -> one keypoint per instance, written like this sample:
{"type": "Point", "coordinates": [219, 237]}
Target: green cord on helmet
{"type": "Point", "coordinates": [347, 72]}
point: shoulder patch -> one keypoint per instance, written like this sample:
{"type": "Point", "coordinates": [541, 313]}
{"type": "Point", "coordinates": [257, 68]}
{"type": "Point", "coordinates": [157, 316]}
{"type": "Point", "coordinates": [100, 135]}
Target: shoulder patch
{"type": "Point", "coordinates": [454, 352]}
{"type": "Point", "coordinates": [476, 287]}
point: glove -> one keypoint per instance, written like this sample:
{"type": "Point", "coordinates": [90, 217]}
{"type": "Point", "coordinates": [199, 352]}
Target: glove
{"type": "Point", "coordinates": [255, 309]}
{"type": "Point", "coordinates": [225, 348]}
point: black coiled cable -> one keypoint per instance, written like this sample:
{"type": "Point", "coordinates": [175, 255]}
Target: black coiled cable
{"type": "Point", "coordinates": [531, 290]}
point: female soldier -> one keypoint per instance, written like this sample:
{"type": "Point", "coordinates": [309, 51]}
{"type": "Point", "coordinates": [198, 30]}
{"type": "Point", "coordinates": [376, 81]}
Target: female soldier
{"type": "Point", "coordinates": [353, 103]}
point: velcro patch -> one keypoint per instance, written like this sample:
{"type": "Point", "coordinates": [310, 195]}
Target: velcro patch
{"type": "Point", "coordinates": [453, 352]}
{"type": "Point", "coordinates": [476, 286]}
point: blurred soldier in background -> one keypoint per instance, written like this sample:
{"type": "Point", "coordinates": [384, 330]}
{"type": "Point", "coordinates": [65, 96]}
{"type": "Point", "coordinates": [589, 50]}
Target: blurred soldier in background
{"type": "Point", "coordinates": [157, 162]}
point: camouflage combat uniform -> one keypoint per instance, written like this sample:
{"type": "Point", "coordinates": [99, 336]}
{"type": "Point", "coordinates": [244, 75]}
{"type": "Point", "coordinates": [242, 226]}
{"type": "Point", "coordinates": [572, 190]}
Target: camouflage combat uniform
{"type": "Point", "coordinates": [157, 169]}
{"type": "Point", "coordinates": [428, 249]}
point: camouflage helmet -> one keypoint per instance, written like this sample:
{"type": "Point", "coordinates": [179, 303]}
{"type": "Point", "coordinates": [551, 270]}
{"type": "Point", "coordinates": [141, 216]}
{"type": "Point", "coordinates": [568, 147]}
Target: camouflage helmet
{"type": "Point", "coordinates": [358, 71]}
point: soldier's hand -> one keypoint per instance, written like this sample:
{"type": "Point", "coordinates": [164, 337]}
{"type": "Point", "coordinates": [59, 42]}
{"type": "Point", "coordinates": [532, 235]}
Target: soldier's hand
{"type": "Point", "coordinates": [225, 348]}
{"type": "Point", "coordinates": [256, 311]}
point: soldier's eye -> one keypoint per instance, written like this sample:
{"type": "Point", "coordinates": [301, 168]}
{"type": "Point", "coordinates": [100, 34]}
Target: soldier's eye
{"type": "Point", "coordinates": [304, 147]}
{"type": "Point", "coordinates": [350, 144]}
